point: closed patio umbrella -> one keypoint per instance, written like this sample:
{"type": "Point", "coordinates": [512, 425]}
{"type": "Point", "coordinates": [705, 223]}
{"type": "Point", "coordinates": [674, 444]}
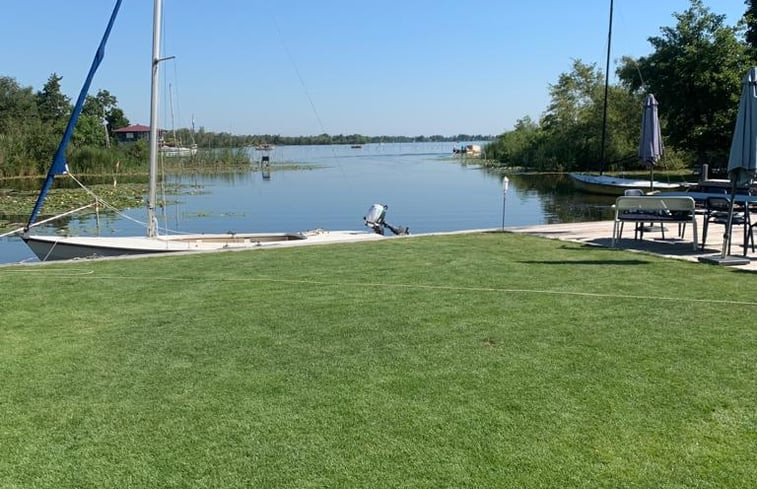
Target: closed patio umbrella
{"type": "Point", "coordinates": [742, 161]}
{"type": "Point", "coordinates": [650, 148]}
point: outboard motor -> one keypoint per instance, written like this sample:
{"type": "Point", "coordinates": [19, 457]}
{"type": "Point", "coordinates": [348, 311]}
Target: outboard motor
{"type": "Point", "coordinates": [376, 220]}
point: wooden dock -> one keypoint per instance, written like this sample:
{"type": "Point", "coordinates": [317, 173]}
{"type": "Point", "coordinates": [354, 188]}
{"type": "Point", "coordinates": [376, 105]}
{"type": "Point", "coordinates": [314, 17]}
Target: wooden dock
{"type": "Point", "coordinates": [599, 233]}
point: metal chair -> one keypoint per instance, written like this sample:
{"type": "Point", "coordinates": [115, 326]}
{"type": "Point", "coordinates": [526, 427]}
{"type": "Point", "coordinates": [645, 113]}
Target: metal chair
{"type": "Point", "coordinates": [716, 210]}
{"type": "Point", "coordinates": [749, 231]}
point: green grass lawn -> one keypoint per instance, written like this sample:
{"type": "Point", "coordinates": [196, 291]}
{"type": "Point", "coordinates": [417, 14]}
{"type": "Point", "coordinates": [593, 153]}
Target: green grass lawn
{"type": "Point", "coordinates": [465, 361]}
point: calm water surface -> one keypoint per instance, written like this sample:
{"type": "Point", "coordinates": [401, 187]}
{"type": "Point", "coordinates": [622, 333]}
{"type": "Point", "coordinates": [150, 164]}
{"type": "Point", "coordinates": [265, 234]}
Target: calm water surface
{"type": "Point", "coordinates": [425, 188]}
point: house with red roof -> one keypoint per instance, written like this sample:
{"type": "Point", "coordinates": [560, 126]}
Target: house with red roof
{"type": "Point", "coordinates": [135, 132]}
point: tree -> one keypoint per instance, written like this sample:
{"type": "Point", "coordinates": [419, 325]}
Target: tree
{"type": "Point", "coordinates": [750, 17]}
{"type": "Point", "coordinates": [17, 104]}
{"type": "Point", "coordinates": [89, 131]}
{"type": "Point", "coordinates": [18, 124]}
{"type": "Point", "coordinates": [569, 134]}
{"type": "Point", "coordinates": [572, 124]}
{"type": "Point", "coordinates": [116, 119]}
{"type": "Point", "coordinates": [104, 108]}
{"type": "Point", "coordinates": [53, 106]}
{"type": "Point", "coordinates": [695, 73]}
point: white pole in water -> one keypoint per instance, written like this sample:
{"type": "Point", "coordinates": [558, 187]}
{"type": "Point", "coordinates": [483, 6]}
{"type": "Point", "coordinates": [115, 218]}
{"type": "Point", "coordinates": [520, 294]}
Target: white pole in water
{"type": "Point", "coordinates": [505, 185]}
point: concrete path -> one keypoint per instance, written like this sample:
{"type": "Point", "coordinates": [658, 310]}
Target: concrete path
{"type": "Point", "coordinates": [599, 233]}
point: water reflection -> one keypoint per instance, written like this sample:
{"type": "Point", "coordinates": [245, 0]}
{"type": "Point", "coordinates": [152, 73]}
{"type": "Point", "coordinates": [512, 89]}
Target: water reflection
{"type": "Point", "coordinates": [425, 188]}
{"type": "Point", "coordinates": [559, 200]}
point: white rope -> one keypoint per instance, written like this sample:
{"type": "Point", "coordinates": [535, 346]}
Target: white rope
{"type": "Point", "coordinates": [15, 231]}
{"type": "Point", "coordinates": [100, 200]}
{"type": "Point", "coordinates": [164, 229]}
{"type": "Point", "coordinates": [453, 288]}
{"type": "Point", "coordinates": [19, 230]}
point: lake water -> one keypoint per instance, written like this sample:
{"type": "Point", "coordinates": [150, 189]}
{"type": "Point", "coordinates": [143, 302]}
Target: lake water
{"type": "Point", "coordinates": [425, 187]}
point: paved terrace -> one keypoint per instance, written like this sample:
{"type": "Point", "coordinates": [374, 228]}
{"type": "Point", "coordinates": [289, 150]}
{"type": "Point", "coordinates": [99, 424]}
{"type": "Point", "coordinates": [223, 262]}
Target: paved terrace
{"type": "Point", "coordinates": [599, 233]}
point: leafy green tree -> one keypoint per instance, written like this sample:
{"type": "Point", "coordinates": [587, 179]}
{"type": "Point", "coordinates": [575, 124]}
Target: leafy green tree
{"type": "Point", "coordinates": [750, 18]}
{"type": "Point", "coordinates": [695, 73]}
{"type": "Point", "coordinates": [569, 134]}
{"type": "Point", "coordinates": [54, 107]}
{"type": "Point", "coordinates": [90, 131]}
{"type": "Point", "coordinates": [517, 147]}
{"type": "Point", "coordinates": [569, 124]}
{"type": "Point", "coordinates": [572, 124]}
{"type": "Point", "coordinates": [103, 107]}
{"type": "Point", "coordinates": [116, 119]}
{"type": "Point", "coordinates": [17, 104]}
{"type": "Point", "coordinates": [24, 140]}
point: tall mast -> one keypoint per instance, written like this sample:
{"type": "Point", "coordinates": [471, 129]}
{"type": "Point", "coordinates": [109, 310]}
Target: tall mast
{"type": "Point", "coordinates": [152, 230]}
{"type": "Point", "coordinates": [604, 108]}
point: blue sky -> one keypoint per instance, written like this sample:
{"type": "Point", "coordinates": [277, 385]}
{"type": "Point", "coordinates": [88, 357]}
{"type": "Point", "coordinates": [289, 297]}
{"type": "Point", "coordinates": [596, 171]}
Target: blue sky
{"type": "Point", "coordinates": [304, 67]}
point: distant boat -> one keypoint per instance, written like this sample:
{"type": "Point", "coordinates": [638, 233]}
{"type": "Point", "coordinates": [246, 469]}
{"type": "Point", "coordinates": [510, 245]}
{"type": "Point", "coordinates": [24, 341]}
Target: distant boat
{"type": "Point", "coordinates": [53, 247]}
{"type": "Point", "coordinates": [356, 146]}
{"type": "Point", "coordinates": [172, 148]}
{"type": "Point", "coordinates": [468, 150]}
{"type": "Point", "coordinates": [170, 151]}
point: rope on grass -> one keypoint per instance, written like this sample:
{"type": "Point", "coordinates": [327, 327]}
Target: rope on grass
{"type": "Point", "coordinates": [63, 272]}
{"type": "Point", "coordinates": [49, 272]}
{"type": "Point", "coordinates": [501, 290]}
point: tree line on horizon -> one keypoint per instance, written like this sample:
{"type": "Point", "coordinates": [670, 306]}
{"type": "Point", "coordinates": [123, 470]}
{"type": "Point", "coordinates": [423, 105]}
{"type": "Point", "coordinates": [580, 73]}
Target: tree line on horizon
{"type": "Point", "coordinates": [695, 72]}
{"type": "Point", "coordinates": [210, 139]}
{"type": "Point", "coordinates": [32, 124]}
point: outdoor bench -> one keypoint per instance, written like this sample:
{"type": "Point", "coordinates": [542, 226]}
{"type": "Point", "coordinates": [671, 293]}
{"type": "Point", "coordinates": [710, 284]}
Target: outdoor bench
{"type": "Point", "coordinates": [652, 209]}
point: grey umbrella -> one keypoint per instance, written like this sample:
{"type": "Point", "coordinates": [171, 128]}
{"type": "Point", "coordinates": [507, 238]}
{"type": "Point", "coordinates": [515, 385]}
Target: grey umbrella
{"type": "Point", "coordinates": [650, 148]}
{"type": "Point", "coordinates": [742, 162]}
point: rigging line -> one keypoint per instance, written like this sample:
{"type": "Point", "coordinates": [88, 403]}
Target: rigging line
{"type": "Point", "coordinates": [453, 288]}
{"type": "Point", "coordinates": [165, 229]}
{"type": "Point", "coordinates": [175, 96]}
{"type": "Point", "coordinates": [104, 202]}
{"type": "Point", "coordinates": [305, 89]}
{"type": "Point", "coordinates": [15, 231]}
{"type": "Point", "coordinates": [297, 72]}
{"type": "Point", "coordinates": [50, 219]}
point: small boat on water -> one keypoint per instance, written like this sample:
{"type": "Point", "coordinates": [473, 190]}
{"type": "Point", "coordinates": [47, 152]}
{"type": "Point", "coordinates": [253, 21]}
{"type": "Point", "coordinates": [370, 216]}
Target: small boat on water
{"type": "Point", "coordinates": [468, 150]}
{"type": "Point", "coordinates": [171, 151]}
{"type": "Point", "coordinates": [54, 247]}
{"type": "Point", "coordinates": [610, 185]}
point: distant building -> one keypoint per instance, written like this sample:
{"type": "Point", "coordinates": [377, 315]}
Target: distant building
{"type": "Point", "coordinates": [130, 134]}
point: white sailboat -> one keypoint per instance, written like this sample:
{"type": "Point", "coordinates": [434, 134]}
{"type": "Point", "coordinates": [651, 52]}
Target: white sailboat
{"type": "Point", "coordinates": [608, 184]}
{"type": "Point", "coordinates": [53, 247]}
{"type": "Point", "coordinates": [173, 148]}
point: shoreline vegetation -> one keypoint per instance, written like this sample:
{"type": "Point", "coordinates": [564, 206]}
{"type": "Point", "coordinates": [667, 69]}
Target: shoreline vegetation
{"type": "Point", "coordinates": [697, 116]}
{"type": "Point", "coordinates": [122, 190]}
{"type": "Point", "coordinates": [31, 125]}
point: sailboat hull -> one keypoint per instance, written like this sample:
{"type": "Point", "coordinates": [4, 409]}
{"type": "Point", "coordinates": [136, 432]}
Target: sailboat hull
{"type": "Point", "coordinates": [178, 151]}
{"type": "Point", "coordinates": [609, 185]}
{"type": "Point", "coordinates": [49, 248]}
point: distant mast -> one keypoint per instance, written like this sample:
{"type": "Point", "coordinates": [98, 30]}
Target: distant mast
{"type": "Point", "coordinates": [604, 108]}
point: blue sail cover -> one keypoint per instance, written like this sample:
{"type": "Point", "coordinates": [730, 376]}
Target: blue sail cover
{"type": "Point", "coordinates": [59, 160]}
